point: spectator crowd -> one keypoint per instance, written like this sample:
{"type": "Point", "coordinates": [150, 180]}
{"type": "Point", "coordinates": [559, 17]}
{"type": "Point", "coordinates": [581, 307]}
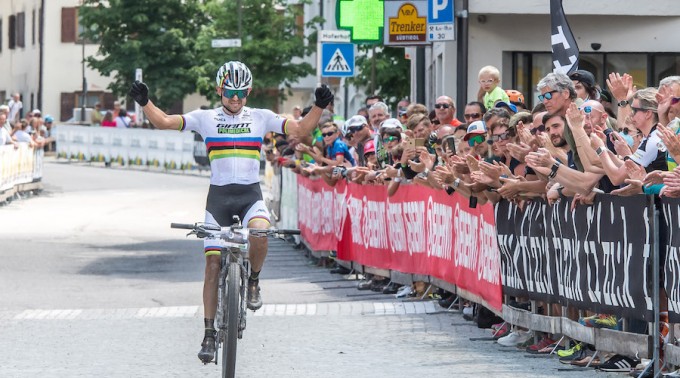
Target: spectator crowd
{"type": "Point", "coordinates": [579, 140]}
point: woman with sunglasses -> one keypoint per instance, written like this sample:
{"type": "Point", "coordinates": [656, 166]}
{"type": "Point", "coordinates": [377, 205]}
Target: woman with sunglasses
{"type": "Point", "coordinates": [233, 134]}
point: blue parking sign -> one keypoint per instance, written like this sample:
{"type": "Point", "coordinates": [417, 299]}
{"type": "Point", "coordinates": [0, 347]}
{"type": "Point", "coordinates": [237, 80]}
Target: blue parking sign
{"type": "Point", "coordinates": [337, 59]}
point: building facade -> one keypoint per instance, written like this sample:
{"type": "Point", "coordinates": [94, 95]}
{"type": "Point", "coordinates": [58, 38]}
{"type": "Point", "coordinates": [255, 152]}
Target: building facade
{"type": "Point", "coordinates": [612, 36]}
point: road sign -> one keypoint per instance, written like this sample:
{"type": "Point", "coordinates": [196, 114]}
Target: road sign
{"type": "Point", "coordinates": [334, 36]}
{"type": "Point", "coordinates": [337, 59]}
{"type": "Point", "coordinates": [363, 18]}
{"type": "Point", "coordinates": [221, 43]}
{"type": "Point", "coordinates": [406, 23]}
{"type": "Point", "coordinates": [440, 21]}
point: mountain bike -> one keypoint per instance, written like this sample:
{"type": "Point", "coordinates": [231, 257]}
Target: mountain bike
{"type": "Point", "coordinates": [231, 293]}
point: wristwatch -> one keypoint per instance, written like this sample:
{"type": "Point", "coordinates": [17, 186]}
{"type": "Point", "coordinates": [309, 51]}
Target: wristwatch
{"type": "Point", "coordinates": [623, 103]}
{"type": "Point", "coordinates": [456, 183]}
{"type": "Point", "coordinates": [553, 170]}
{"type": "Point", "coordinates": [599, 151]}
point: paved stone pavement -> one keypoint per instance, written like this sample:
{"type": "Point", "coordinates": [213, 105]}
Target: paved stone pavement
{"type": "Point", "coordinates": [108, 290]}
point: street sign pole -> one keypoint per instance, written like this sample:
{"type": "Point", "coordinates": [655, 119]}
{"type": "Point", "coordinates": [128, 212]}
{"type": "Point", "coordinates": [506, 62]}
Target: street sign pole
{"type": "Point", "coordinates": [139, 114]}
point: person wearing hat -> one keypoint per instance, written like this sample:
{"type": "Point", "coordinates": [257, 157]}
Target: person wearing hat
{"type": "Point", "coordinates": [358, 134]}
{"type": "Point", "coordinates": [584, 83]}
{"type": "Point", "coordinates": [476, 138]}
{"type": "Point", "coordinates": [35, 122]}
{"type": "Point", "coordinates": [510, 107]}
{"type": "Point", "coordinates": [516, 98]}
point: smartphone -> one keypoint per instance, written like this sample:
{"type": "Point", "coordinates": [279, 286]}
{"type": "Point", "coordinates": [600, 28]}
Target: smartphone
{"type": "Point", "coordinates": [419, 142]}
{"type": "Point", "coordinates": [449, 145]}
{"type": "Point", "coordinates": [411, 144]}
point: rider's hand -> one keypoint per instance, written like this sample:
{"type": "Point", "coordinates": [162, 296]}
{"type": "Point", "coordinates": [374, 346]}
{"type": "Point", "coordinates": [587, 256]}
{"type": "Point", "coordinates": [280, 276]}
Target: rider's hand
{"type": "Point", "coordinates": [323, 95]}
{"type": "Point", "coordinates": [139, 92]}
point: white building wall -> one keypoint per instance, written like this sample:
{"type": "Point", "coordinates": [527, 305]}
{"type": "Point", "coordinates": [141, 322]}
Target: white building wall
{"type": "Point", "coordinates": [498, 27]}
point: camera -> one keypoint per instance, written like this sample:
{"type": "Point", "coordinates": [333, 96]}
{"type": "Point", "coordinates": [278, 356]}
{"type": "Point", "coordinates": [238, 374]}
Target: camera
{"type": "Point", "coordinates": [595, 46]}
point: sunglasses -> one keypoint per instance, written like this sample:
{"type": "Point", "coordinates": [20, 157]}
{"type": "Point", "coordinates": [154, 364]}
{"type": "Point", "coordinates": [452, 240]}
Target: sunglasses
{"type": "Point", "coordinates": [627, 131]}
{"type": "Point", "coordinates": [328, 134]}
{"type": "Point", "coordinates": [477, 139]}
{"type": "Point", "coordinates": [439, 106]}
{"type": "Point", "coordinates": [499, 137]}
{"type": "Point", "coordinates": [240, 93]}
{"type": "Point", "coordinates": [389, 139]}
{"type": "Point", "coordinates": [473, 115]}
{"type": "Point", "coordinates": [354, 129]}
{"type": "Point", "coordinates": [540, 128]}
{"type": "Point", "coordinates": [546, 96]}
{"type": "Point", "coordinates": [635, 110]}
{"type": "Point", "coordinates": [675, 100]}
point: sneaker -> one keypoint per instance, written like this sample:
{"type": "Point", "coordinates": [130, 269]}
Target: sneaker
{"type": "Point", "coordinates": [619, 363]}
{"type": "Point", "coordinates": [403, 292]}
{"type": "Point", "coordinates": [600, 321]}
{"type": "Point", "coordinates": [576, 356]}
{"type": "Point", "coordinates": [549, 349]}
{"type": "Point", "coordinates": [544, 342]}
{"type": "Point", "coordinates": [502, 332]}
{"type": "Point", "coordinates": [571, 351]}
{"type": "Point", "coordinates": [446, 302]}
{"type": "Point", "coordinates": [207, 352]}
{"type": "Point", "coordinates": [254, 298]}
{"type": "Point", "coordinates": [514, 338]}
{"type": "Point", "coordinates": [365, 285]}
{"type": "Point", "coordinates": [391, 288]}
{"type": "Point", "coordinates": [468, 313]}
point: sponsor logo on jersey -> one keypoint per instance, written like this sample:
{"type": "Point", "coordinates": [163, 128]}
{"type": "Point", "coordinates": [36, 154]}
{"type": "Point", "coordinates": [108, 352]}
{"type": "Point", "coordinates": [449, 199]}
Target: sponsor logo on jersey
{"type": "Point", "coordinates": [238, 128]}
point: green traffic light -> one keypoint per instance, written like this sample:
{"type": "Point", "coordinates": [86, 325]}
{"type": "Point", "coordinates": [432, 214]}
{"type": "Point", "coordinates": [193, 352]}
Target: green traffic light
{"type": "Point", "coordinates": [363, 18]}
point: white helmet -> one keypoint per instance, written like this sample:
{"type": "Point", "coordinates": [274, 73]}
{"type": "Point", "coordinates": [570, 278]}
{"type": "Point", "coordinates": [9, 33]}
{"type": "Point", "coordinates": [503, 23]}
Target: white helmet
{"type": "Point", "coordinates": [234, 75]}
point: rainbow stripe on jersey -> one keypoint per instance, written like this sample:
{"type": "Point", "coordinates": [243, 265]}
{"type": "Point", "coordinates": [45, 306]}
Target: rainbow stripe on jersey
{"type": "Point", "coordinates": [229, 147]}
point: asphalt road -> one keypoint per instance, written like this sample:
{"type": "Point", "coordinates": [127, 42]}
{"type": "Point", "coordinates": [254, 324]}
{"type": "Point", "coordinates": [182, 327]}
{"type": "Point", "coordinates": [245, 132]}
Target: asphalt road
{"type": "Point", "coordinates": [94, 283]}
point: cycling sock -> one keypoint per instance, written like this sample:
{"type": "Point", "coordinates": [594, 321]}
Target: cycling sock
{"type": "Point", "coordinates": [209, 324]}
{"type": "Point", "coordinates": [254, 276]}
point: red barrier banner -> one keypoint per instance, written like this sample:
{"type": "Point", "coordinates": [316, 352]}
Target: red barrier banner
{"type": "Point", "coordinates": [418, 230]}
{"type": "Point", "coordinates": [321, 213]}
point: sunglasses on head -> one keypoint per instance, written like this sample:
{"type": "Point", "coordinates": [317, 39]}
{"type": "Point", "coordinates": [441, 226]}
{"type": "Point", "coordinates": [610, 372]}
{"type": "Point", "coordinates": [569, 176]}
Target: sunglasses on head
{"type": "Point", "coordinates": [477, 139]}
{"type": "Point", "coordinates": [389, 139]}
{"type": "Point", "coordinates": [546, 96]}
{"type": "Point", "coordinates": [240, 93]}
{"type": "Point", "coordinates": [540, 128]}
{"type": "Point", "coordinates": [675, 100]}
{"type": "Point", "coordinates": [473, 115]}
{"type": "Point", "coordinates": [328, 134]}
{"type": "Point", "coordinates": [439, 106]}
{"type": "Point", "coordinates": [499, 137]}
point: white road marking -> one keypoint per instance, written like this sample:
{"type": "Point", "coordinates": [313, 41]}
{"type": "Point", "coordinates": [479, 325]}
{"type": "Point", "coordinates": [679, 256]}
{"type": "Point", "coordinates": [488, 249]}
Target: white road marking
{"type": "Point", "coordinates": [297, 309]}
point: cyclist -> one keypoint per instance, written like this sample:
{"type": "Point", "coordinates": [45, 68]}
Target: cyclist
{"type": "Point", "coordinates": [233, 135]}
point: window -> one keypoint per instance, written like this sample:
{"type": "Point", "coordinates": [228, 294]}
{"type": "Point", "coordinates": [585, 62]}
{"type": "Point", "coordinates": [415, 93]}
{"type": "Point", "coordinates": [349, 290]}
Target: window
{"type": "Point", "coordinates": [21, 29]}
{"type": "Point", "coordinates": [12, 32]}
{"type": "Point", "coordinates": [33, 28]}
{"type": "Point", "coordinates": [68, 25]}
{"type": "Point", "coordinates": [647, 69]}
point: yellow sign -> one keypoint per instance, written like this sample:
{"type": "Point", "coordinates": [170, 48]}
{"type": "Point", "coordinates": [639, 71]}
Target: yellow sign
{"type": "Point", "coordinates": [408, 26]}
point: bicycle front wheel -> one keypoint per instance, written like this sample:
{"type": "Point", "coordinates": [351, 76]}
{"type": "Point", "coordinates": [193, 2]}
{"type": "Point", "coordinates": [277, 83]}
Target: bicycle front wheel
{"type": "Point", "coordinates": [231, 302]}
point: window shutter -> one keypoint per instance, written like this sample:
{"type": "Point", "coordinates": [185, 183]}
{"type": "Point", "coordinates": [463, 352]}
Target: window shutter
{"type": "Point", "coordinates": [21, 29]}
{"type": "Point", "coordinates": [68, 102]}
{"type": "Point", "coordinates": [12, 31]}
{"type": "Point", "coordinates": [68, 25]}
{"type": "Point", "coordinates": [108, 99]}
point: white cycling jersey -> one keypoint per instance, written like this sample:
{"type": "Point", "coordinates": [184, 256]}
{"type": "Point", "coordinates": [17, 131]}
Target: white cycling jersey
{"type": "Point", "coordinates": [234, 141]}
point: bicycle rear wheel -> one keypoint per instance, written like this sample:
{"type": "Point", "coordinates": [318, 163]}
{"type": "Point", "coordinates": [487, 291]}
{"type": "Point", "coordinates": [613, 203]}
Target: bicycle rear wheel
{"type": "Point", "coordinates": [231, 302]}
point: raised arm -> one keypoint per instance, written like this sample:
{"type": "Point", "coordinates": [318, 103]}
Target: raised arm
{"type": "Point", "coordinates": [140, 93]}
{"type": "Point", "coordinates": [306, 125]}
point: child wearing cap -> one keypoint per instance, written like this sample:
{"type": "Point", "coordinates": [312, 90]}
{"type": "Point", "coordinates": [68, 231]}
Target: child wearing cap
{"type": "Point", "coordinates": [489, 78]}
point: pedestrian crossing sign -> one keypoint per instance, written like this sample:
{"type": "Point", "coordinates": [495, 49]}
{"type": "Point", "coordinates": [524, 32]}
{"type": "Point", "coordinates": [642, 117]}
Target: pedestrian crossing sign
{"type": "Point", "coordinates": [337, 59]}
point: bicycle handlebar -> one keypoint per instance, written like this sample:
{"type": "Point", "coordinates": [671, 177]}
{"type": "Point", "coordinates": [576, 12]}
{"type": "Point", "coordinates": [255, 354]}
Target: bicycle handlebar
{"type": "Point", "coordinates": [204, 228]}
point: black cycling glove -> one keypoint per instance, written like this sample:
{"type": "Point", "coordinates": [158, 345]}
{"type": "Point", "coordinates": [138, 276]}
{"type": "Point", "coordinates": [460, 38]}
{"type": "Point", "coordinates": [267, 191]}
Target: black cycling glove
{"type": "Point", "coordinates": [323, 96]}
{"type": "Point", "coordinates": [139, 92]}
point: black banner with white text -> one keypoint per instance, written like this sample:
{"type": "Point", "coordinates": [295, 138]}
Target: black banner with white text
{"type": "Point", "coordinates": [596, 257]}
{"type": "Point", "coordinates": [670, 240]}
